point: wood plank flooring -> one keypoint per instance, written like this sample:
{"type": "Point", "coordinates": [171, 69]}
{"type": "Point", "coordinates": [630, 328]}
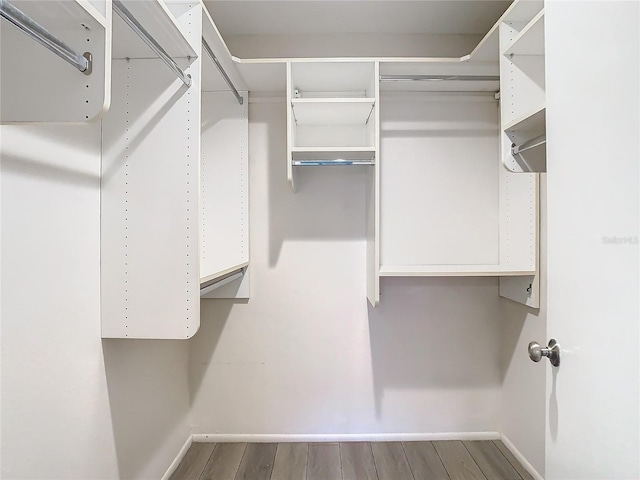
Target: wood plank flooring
{"type": "Point", "coordinates": [446, 460]}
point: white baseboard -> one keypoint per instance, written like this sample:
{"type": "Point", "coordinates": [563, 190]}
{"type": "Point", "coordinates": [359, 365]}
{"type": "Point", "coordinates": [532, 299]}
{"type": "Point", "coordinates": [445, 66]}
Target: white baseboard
{"type": "Point", "coordinates": [178, 459]}
{"type": "Point", "coordinates": [343, 437]}
{"type": "Point", "coordinates": [516, 453]}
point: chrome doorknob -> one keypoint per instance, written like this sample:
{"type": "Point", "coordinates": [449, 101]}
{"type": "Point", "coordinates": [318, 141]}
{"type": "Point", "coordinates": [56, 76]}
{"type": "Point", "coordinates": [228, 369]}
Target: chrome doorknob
{"type": "Point", "coordinates": [552, 352]}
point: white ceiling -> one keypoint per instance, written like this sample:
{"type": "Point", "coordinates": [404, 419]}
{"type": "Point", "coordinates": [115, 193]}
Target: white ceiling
{"type": "Point", "coordinates": [244, 17]}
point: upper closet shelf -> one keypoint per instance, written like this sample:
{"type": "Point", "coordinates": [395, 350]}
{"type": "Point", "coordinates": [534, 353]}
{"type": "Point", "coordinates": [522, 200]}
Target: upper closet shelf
{"type": "Point", "coordinates": [530, 40]}
{"type": "Point", "coordinates": [526, 128]}
{"type": "Point", "coordinates": [160, 25]}
{"type": "Point", "coordinates": [332, 111]}
{"type": "Point", "coordinates": [219, 71]}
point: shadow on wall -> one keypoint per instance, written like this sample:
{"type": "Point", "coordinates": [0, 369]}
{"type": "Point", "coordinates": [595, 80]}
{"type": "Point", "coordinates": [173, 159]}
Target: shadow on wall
{"type": "Point", "coordinates": [323, 194]}
{"type": "Point", "coordinates": [149, 402]}
{"type": "Point", "coordinates": [434, 333]}
{"type": "Point", "coordinates": [214, 314]}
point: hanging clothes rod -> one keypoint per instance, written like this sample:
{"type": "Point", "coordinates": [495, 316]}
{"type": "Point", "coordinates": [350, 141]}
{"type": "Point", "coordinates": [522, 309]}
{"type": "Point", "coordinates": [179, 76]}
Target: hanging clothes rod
{"type": "Point", "coordinates": [439, 78]}
{"type": "Point", "coordinates": [82, 61]}
{"type": "Point", "coordinates": [209, 287]}
{"type": "Point", "coordinates": [331, 163]}
{"type": "Point", "coordinates": [146, 37]}
{"type": "Point", "coordinates": [533, 143]}
{"type": "Point", "coordinates": [215, 60]}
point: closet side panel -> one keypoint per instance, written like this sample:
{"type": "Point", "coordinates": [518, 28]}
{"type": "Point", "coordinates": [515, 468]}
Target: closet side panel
{"type": "Point", "coordinates": [149, 212]}
{"type": "Point", "coordinates": [224, 192]}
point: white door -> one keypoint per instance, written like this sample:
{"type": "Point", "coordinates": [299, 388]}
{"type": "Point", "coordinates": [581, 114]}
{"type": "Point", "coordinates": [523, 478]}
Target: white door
{"type": "Point", "coordinates": [593, 105]}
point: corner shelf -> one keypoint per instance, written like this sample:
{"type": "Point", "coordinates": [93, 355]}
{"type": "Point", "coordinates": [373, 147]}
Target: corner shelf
{"type": "Point", "coordinates": [530, 40]}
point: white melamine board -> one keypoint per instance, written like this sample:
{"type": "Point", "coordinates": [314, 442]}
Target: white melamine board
{"type": "Point", "coordinates": [239, 288]}
{"type": "Point", "coordinates": [522, 289]}
{"type": "Point", "coordinates": [332, 111]}
{"type": "Point", "coordinates": [530, 40]}
{"type": "Point", "coordinates": [327, 77]}
{"type": "Point", "coordinates": [449, 271]}
{"type": "Point", "coordinates": [488, 49]}
{"type": "Point", "coordinates": [290, 132]}
{"type": "Point", "coordinates": [161, 24]}
{"type": "Point", "coordinates": [373, 206]}
{"type": "Point", "coordinates": [212, 80]}
{"type": "Point", "coordinates": [39, 86]}
{"type": "Point", "coordinates": [333, 153]}
{"type": "Point", "coordinates": [439, 182]}
{"type": "Point", "coordinates": [224, 184]}
{"type": "Point", "coordinates": [522, 81]}
{"type": "Point", "coordinates": [149, 219]}
{"type": "Point", "coordinates": [519, 205]}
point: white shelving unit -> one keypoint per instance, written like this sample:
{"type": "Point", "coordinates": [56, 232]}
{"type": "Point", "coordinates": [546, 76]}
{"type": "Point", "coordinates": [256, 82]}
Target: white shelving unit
{"type": "Point", "coordinates": [224, 176]}
{"type": "Point", "coordinates": [523, 89]}
{"type": "Point", "coordinates": [151, 152]}
{"type": "Point", "coordinates": [332, 117]}
{"type": "Point", "coordinates": [38, 86]}
{"type": "Point", "coordinates": [523, 117]}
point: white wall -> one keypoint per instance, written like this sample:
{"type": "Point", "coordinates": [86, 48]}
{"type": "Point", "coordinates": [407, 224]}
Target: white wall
{"type": "Point", "coordinates": [522, 412]}
{"type": "Point", "coordinates": [73, 406]}
{"type": "Point", "coordinates": [306, 354]}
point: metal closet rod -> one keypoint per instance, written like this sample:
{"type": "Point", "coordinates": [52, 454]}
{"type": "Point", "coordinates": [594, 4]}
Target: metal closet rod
{"type": "Point", "coordinates": [146, 37]}
{"type": "Point", "coordinates": [437, 78]}
{"type": "Point", "coordinates": [82, 61]}
{"type": "Point", "coordinates": [533, 143]}
{"type": "Point", "coordinates": [215, 60]}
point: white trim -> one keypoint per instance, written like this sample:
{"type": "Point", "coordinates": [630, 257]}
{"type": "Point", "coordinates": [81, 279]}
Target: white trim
{"type": "Point", "coordinates": [342, 437]}
{"type": "Point", "coordinates": [527, 466]}
{"type": "Point", "coordinates": [183, 451]}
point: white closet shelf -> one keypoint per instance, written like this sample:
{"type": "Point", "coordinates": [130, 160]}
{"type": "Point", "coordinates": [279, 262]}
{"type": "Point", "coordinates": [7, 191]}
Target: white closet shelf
{"type": "Point", "coordinates": [522, 11]}
{"type": "Point", "coordinates": [530, 40]}
{"type": "Point", "coordinates": [214, 276]}
{"type": "Point", "coordinates": [212, 79]}
{"type": "Point", "coordinates": [158, 20]}
{"type": "Point", "coordinates": [332, 111]}
{"type": "Point", "coordinates": [450, 271]}
{"type": "Point", "coordinates": [326, 156]}
{"type": "Point", "coordinates": [527, 127]}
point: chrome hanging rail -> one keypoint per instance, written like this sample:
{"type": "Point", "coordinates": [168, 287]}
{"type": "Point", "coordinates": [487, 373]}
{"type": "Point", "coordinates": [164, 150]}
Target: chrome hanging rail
{"type": "Point", "coordinates": [215, 60]}
{"type": "Point", "coordinates": [438, 78]}
{"type": "Point", "coordinates": [82, 61]}
{"type": "Point", "coordinates": [146, 37]}
{"type": "Point", "coordinates": [533, 143]}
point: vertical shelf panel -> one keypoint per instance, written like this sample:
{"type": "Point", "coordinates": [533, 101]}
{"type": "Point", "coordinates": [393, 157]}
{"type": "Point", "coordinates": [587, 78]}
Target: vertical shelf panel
{"type": "Point", "coordinates": [224, 189]}
{"type": "Point", "coordinates": [149, 214]}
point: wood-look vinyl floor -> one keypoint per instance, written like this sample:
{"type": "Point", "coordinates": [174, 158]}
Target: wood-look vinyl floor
{"type": "Point", "coordinates": [446, 460]}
